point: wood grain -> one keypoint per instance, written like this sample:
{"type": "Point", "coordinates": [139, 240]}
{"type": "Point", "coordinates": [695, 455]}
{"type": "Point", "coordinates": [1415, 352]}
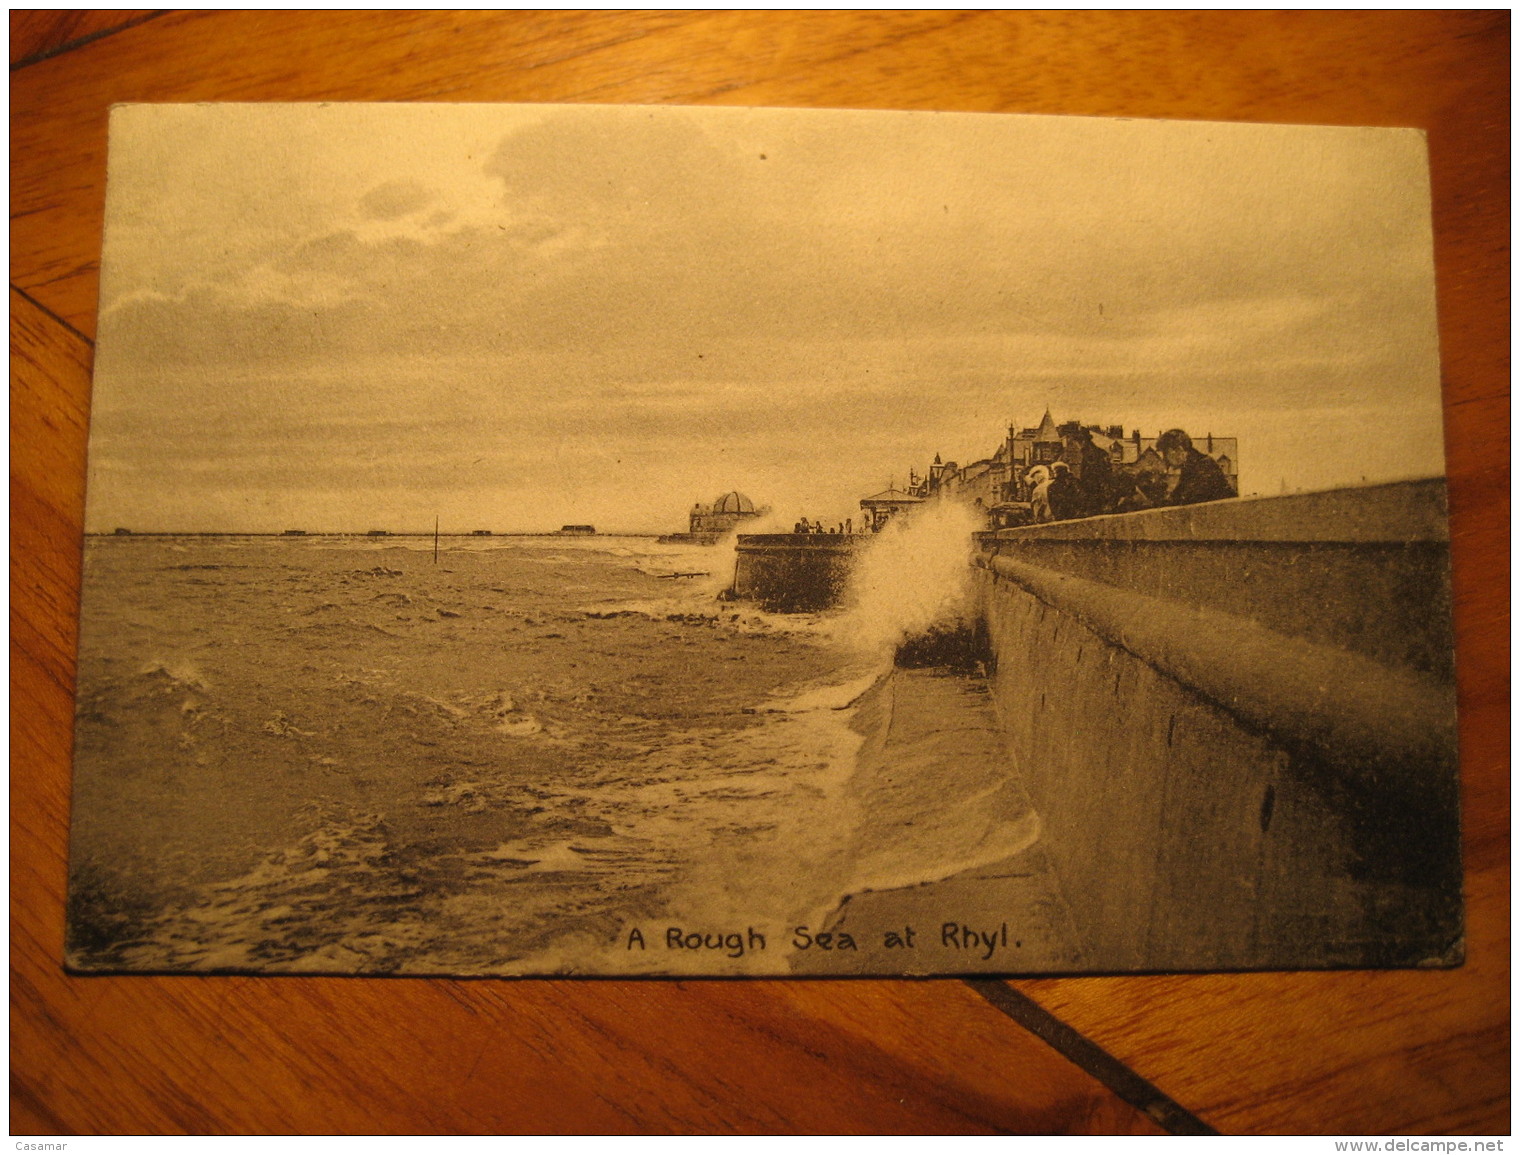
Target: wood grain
{"type": "Point", "coordinates": [1338, 1052]}
{"type": "Point", "coordinates": [39, 33]}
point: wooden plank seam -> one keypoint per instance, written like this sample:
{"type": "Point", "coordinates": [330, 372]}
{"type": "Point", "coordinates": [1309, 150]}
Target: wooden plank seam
{"type": "Point", "coordinates": [20, 292]}
{"type": "Point", "coordinates": [80, 42]}
{"type": "Point", "coordinates": [1134, 1090]}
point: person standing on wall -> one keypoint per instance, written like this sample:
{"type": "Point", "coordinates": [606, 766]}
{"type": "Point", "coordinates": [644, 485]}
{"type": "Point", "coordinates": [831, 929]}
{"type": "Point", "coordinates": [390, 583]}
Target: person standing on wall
{"type": "Point", "coordinates": [1064, 495]}
{"type": "Point", "coordinates": [1200, 478]}
{"type": "Point", "coordinates": [1095, 473]}
{"type": "Point", "coordinates": [1038, 482]}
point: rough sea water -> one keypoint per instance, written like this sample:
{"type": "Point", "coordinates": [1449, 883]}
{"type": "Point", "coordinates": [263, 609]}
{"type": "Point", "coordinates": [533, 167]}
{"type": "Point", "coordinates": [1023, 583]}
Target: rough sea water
{"type": "Point", "coordinates": [328, 754]}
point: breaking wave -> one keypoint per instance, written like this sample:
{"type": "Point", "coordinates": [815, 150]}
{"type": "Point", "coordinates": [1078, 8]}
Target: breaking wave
{"type": "Point", "coordinates": [914, 575]}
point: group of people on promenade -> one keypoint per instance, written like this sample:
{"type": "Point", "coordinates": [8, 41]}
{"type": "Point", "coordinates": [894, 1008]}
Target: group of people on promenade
{"type": "Point", "coordinates": [1057, 493]}
{"type": "Point", "coordinates": [805, 526]}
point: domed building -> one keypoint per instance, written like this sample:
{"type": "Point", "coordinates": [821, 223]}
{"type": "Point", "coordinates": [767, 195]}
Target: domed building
{"type": "Point", "coordinates": [726, 513]}
{"type": "Point", "coordinates": [709, 522]}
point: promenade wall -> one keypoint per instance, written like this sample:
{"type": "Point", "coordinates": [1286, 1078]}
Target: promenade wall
{"type": "Point", "coordinates": [1237, 723]}
{"type": "Point", "coordinates": [795, 572]}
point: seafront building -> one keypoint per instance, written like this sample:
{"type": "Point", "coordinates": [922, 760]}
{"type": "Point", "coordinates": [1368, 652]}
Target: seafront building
{"type": "Point", "coordinates": [707, 523]}
{"type": "Point", "coordinates": [999, 487]}
{"type": "Point", "coordinates": [880, 508]}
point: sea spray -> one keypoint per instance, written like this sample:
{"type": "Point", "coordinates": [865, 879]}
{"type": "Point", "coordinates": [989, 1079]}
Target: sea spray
{"type": "Point", "coordinates": [914, 575]}
{"type": "Point", "coordinates": [771, 521]}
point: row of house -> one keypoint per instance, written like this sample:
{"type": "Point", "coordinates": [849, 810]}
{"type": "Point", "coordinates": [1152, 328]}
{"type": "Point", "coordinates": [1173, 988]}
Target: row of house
{"type": "Point", "coordinates": [999, 485]}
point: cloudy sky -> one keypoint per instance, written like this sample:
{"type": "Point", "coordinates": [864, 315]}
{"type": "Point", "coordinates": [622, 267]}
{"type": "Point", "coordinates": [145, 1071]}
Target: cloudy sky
{"type": "Point", "coordinates": [341, 317]}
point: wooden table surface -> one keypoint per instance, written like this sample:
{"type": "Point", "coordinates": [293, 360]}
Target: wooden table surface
{"type": "Point", "coordinates": [1358, 1052]}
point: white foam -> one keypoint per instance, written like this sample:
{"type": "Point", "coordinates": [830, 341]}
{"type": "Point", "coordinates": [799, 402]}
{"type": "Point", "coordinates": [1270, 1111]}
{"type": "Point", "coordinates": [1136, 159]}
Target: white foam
{"type": "Point", "coordinates": [915, 573]}
{"type": "Point", "coordinates": [834, 696]}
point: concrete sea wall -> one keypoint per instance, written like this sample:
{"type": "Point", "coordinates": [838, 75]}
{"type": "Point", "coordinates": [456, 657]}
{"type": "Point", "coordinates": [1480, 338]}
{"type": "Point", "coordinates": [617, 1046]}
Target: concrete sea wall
{"type": "Point", "coordinates": [795, 572]}
{"type": "Point", "coordinates": [1237, 723]}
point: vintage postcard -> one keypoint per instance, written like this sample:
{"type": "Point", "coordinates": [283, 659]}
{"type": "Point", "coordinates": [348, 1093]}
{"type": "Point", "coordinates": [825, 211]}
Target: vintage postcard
{"type": "Point", "coordinates": [672, 541]}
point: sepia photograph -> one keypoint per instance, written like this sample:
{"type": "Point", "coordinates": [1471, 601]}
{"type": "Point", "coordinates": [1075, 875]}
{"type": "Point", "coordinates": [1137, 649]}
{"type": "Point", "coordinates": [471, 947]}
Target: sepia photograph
{"type": "Point", "coordinates": [624, 540]}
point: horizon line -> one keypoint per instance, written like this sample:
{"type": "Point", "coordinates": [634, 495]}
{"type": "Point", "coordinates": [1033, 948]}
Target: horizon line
{"type": "Point", "coordinates": [428, 533]}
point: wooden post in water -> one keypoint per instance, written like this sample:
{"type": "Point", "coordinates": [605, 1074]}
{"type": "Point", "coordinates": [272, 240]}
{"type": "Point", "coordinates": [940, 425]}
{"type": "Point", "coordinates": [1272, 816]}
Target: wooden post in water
{"type": "Point", "coordinates": [435, 539]}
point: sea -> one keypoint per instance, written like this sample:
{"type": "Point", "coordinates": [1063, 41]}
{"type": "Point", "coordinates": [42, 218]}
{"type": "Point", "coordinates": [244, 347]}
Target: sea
{"type": "Point", "coordinates": [516, 755]}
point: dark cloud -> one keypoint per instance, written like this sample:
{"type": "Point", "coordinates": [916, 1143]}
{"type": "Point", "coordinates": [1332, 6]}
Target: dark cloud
{"type": "Point", "coordinates": [395, 199]}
